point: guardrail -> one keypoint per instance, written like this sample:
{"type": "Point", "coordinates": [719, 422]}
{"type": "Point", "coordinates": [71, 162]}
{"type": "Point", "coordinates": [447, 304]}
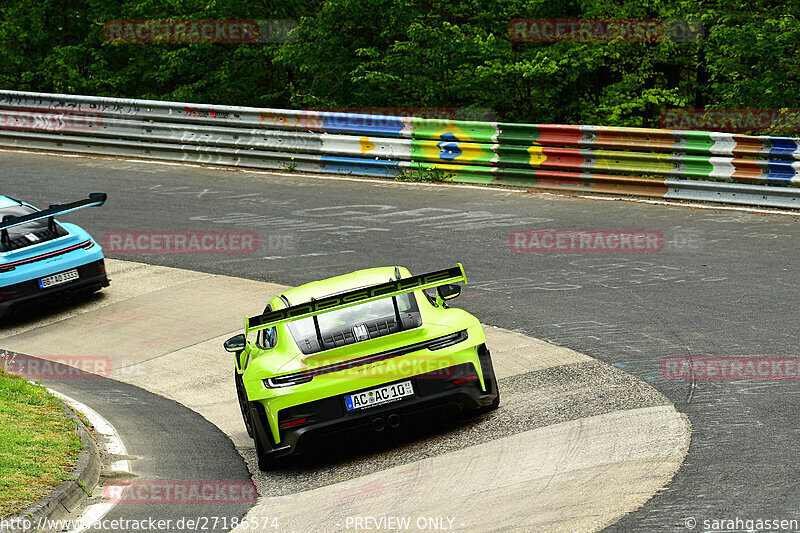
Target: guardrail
{"type": "Point", "coordinates": [733, 168]}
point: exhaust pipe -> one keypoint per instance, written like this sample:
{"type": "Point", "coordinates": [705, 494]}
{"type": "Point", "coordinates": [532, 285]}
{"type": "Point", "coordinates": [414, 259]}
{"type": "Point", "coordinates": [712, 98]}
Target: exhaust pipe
{"type": "Point", "coordinates": [393, 420]}
{"type": "Point", "coordinates": [378, 424]}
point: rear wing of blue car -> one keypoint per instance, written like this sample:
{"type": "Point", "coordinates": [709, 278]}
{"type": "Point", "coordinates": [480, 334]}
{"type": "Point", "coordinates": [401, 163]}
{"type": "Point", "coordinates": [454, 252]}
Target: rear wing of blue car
{"type": "Point", "coordinates": [95, 199]}
{"type": "Point", "coordinates": [355, 297]}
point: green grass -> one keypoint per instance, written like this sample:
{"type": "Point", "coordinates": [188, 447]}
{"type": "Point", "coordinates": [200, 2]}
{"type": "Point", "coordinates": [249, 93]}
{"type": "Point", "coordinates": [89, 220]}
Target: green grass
{"type": "Point", "coordinates": [38, 443]}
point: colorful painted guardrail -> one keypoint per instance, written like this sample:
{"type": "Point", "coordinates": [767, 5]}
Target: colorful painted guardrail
{"type": "Point", "coordinates": [636, 161]}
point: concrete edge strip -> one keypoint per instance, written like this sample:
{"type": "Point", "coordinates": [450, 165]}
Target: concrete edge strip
{"type": "Point", "coordinates": [340, 503]}
{"type": "Point", "coordinates": [684, 452]}
{"type": "Point", "coordinates": [113, 445]}
{"type": "Point", "coordinates": [116, 268]}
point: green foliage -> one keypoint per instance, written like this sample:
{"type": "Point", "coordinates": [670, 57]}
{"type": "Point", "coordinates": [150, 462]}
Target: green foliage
{"type": "Point", "coordinates": [417, 53]}
{"type": "Point", "coordinates": [425, 174]}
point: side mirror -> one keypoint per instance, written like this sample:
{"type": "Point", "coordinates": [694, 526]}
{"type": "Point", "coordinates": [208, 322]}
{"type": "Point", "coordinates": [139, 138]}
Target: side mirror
{"type": "Point", "coordinates": [236, 343]}
{"type": "Point", "coordinates": [448, 292]}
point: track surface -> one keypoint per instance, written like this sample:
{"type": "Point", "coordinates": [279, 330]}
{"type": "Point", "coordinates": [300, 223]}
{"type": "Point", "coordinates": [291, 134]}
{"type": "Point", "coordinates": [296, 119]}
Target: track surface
{"type": "Point", "coordinates": [720, 287]}
{"type": "Point", "coordinates": [166, 443]}
{"type": "Point", "coordinates": [576, 444]}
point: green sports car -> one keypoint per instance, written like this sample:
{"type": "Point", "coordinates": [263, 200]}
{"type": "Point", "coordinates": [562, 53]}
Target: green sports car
{"type": "Point", "coordinates": [369, 351]}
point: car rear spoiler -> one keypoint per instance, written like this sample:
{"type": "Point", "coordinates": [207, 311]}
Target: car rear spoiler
{"type": "Point", "coordinates": [95, 199]}
{"type": "Point", "coordinates": [355, 297]}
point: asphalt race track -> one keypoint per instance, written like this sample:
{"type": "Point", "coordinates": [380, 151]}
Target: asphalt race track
{"type": "Point", "coordinates": [720, 287]}
{"type": "Point", "coordinates": [575, 445]}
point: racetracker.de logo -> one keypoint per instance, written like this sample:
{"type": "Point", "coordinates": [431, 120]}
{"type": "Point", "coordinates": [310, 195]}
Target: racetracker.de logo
{"type": "Point", "coordinates": [181, 492]}
{"type": "Point", "coordinates": [585, 241]}
{"type": "Point", "coordinates": [180, 242]}
{"type": "Point", "coordinates": [732, 120]}
{"type": "Point", "coordinates": [181, 31]}
{"type": "Point", "coordinates": [604, 30]}
{"type": "Point", "coordinates": [59, 366]}
{"type": "Point", "coordinates": [752, 368]}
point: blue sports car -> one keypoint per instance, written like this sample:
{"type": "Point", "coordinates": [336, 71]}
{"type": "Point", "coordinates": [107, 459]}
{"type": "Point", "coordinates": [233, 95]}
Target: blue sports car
{"type": "Point", "coordinates": [41, 258]}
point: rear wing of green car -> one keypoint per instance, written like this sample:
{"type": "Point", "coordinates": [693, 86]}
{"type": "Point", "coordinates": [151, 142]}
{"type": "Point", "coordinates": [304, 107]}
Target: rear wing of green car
{"type": "Point", "coordinates": [355, 297]}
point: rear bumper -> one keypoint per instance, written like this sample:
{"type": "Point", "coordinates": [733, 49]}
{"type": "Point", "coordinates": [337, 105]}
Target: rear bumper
{"type": "Point", "coordinates": [92, 276]}
{"type": "Point", "coordinates": [435, 399]}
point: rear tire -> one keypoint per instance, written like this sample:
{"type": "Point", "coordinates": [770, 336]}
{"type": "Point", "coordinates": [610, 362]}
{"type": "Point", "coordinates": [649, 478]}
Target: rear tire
{"type": "Point", "coordinates": [265, 461]}
{"type": "Point", "coordinates": [244, 406]}
{"type": "Point", "coordinates": [495, 403]}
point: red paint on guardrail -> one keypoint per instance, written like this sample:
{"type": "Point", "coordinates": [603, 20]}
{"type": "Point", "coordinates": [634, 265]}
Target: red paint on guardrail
{"type": "Point", "coordinates": [55, 119]}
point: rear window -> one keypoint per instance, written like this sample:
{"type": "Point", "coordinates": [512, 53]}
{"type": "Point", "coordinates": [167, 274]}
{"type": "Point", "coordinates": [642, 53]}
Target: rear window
{"type": "Point", "coordinates": [354, 324]}
{"type": "Point", "coordinates": [27, 234]}
{"type": "Point", "coordinates": [22, 211]}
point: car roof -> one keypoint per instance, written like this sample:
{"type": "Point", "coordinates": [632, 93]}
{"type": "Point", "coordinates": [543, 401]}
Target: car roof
{"type": "Point", "coordinates": [5, 201]}
{"type": "Point", "coordinates": [343, 283]}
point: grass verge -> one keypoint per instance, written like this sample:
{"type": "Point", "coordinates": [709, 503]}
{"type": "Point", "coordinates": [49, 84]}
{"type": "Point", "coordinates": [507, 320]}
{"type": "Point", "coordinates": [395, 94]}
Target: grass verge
{"type": "Point", "coordinates": [39, 443]}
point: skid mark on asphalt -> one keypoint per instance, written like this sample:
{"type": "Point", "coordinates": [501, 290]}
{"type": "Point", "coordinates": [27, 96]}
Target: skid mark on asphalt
{"type": "Point", "coordinates": [618, 273]}
{"type": "Point", "coordinates": [532, 400]}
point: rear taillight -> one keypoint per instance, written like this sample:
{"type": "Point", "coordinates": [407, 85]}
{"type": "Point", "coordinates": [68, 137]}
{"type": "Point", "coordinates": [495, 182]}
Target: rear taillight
{"type": "Point", "coordinates": [464, 380]}
{"type": "Point", "coordinates": [287, 381]}
{"type": "Point", "coordinates": [448, 340]}
{"type": "Point", "coordinates": [6, 296]}
{"type": "Point", "coordinates": [292, 423]}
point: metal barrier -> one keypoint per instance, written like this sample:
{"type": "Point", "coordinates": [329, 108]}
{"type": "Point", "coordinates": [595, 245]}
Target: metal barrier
{"type": "Point", "coordinates": [633, 161]}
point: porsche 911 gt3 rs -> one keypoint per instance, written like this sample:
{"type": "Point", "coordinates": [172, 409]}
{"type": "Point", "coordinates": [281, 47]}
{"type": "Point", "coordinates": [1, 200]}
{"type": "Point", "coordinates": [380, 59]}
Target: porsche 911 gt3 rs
{"type": "Point", "coordinates": [41, 258]}
{"type": "Point", "coordinates": [369, 351]}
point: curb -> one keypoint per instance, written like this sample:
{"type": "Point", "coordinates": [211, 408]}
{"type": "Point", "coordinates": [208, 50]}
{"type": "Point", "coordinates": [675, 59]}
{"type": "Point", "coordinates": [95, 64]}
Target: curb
{"type": "Point", "coordinates": [66, 497]}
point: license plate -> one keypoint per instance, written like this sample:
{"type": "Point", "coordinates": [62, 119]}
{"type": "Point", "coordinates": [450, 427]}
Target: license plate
{"type": "Point", "coordinates": [378, 396]}
{"type": "Point", "coordinates": [58, 279]}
